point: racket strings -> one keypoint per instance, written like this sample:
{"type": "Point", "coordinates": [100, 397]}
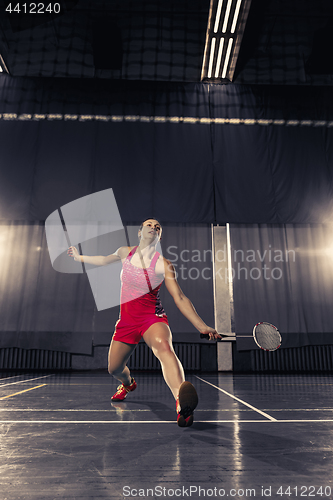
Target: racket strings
{"type": "Point", "coordinates": [267, 337]}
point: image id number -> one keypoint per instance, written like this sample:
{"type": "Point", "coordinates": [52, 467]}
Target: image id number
{"type": "Point", "coordinates": [33, 8]}
{"type": "Point", "coordinates": [305, 491]}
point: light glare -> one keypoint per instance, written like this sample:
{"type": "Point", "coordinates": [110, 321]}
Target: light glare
{"type": "Point", "coordinates": [211, 58]}
{"type": "Point", "coordinates": [234, 22]}
{"type": "Point", "coordinates": [227, 57]}
{"type": "Point", "coordinates": [219, 57]}
{"type": "Point", "coordinates": [218, 15]}
{"type": "Point", "coordinates": [226, 17]}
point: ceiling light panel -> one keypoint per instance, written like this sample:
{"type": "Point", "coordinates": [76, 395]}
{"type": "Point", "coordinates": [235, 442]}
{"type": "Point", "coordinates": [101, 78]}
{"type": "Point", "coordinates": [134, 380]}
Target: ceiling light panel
{"type": "Point", "coordinates": [226, 24]}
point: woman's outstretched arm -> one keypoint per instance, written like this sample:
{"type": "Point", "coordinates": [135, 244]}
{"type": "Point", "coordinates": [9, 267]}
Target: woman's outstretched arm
{"type": "Point", "coordinates": [98, 260]}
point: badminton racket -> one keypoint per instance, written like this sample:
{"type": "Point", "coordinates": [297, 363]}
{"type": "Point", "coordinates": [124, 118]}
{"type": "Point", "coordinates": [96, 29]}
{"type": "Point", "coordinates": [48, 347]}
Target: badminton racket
{"type": "Point", "coordinates": [265, 335]}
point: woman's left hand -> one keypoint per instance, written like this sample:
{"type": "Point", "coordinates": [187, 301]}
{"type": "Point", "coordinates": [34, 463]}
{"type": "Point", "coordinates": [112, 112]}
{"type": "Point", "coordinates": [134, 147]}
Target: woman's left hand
{"type": "Point", "coordinates": [213, 335]}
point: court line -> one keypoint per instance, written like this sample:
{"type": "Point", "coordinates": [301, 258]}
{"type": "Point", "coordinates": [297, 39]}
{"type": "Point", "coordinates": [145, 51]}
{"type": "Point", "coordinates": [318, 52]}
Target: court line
{"type": "Point", "coordinates": [7, 378]}
{"type": "Point", "coordinates": [23, 381]}
{"type": "Point", "coordinates": [21, 392]}
{"type": "Point", "coordinates": [159, 421]}
{"type": "Point", "coordinates": [237, 399]}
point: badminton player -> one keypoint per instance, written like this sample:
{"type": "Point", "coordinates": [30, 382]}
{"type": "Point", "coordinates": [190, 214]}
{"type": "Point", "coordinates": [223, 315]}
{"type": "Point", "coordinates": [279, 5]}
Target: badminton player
{"type": "Point", "coordinates": [142, 316]}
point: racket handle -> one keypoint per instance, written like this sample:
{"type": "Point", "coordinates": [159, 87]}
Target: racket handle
{"type": "Point", "coordinates": [206, 336]}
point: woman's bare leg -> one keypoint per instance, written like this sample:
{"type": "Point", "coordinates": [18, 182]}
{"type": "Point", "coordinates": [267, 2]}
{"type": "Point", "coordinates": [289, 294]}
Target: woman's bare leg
{"type": "Point", "coordinates": [119, 354]}
{"type": "Point", "coordinates": [158, 338]}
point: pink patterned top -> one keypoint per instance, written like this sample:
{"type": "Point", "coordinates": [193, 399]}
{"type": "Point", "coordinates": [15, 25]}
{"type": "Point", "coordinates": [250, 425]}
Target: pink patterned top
{"type": "Point", "coordinates": [140, 289]}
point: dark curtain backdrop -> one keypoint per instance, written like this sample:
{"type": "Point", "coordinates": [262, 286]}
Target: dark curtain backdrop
{"type": "Point", "coordinates": [184, 153]}
{"type": "Point", "coordinates": [44, 309]}
{"type": "Point", "coordinates": [283, 274]}
{"type": "Point", "coordinates": [167, 149]}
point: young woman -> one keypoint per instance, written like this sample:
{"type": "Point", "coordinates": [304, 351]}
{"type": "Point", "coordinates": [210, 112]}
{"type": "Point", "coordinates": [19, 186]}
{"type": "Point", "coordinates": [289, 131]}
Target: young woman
{"type": "Point", "coordinates": [142, 315]}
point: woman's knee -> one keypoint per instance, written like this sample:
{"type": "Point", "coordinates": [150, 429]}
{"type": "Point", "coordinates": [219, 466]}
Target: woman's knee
{"type": "Point", "coordinates": [115, 369]}
{"type": "Point", "coordinates": [163, 348]}
{"type": "Point", "coordinates": [111, 370]}
{"type": "Point", "coordinates": [119, 353]}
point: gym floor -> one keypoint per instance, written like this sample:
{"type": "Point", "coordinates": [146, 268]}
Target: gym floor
{"type": "Point", "coordinates": [254, 436]}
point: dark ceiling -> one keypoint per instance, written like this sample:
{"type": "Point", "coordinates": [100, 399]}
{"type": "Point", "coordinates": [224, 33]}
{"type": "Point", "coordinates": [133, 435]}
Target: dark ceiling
{"type": "Point", "coordinates": [285, 41]}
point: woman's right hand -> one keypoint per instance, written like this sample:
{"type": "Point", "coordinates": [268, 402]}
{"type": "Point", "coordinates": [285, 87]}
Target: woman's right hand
{"type": "Point", "coordinates": [72, 252]}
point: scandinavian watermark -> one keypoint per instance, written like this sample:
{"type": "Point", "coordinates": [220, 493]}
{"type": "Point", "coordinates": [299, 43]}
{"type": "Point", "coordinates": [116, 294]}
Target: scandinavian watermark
{"type": "Point", "coordinates": [235, 264]}
{"type": "Point", "coordinates": [187, 492]}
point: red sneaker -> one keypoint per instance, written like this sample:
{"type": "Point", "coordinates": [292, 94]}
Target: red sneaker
{"type": "Point", "coordinates": [123, 390]}
{"type": "Point", "coordinates": [187, 401]}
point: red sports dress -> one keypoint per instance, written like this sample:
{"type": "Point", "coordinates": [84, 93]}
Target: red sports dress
{"type": "Point", "coordinates": [140, 304]}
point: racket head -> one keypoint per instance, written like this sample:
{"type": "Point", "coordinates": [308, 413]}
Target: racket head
{"type": "Point", "coordinates": [267, 336]}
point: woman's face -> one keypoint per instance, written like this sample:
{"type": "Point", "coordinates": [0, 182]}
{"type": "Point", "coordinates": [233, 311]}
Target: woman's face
{"type": "Point", "coordinates": [151, 230]}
